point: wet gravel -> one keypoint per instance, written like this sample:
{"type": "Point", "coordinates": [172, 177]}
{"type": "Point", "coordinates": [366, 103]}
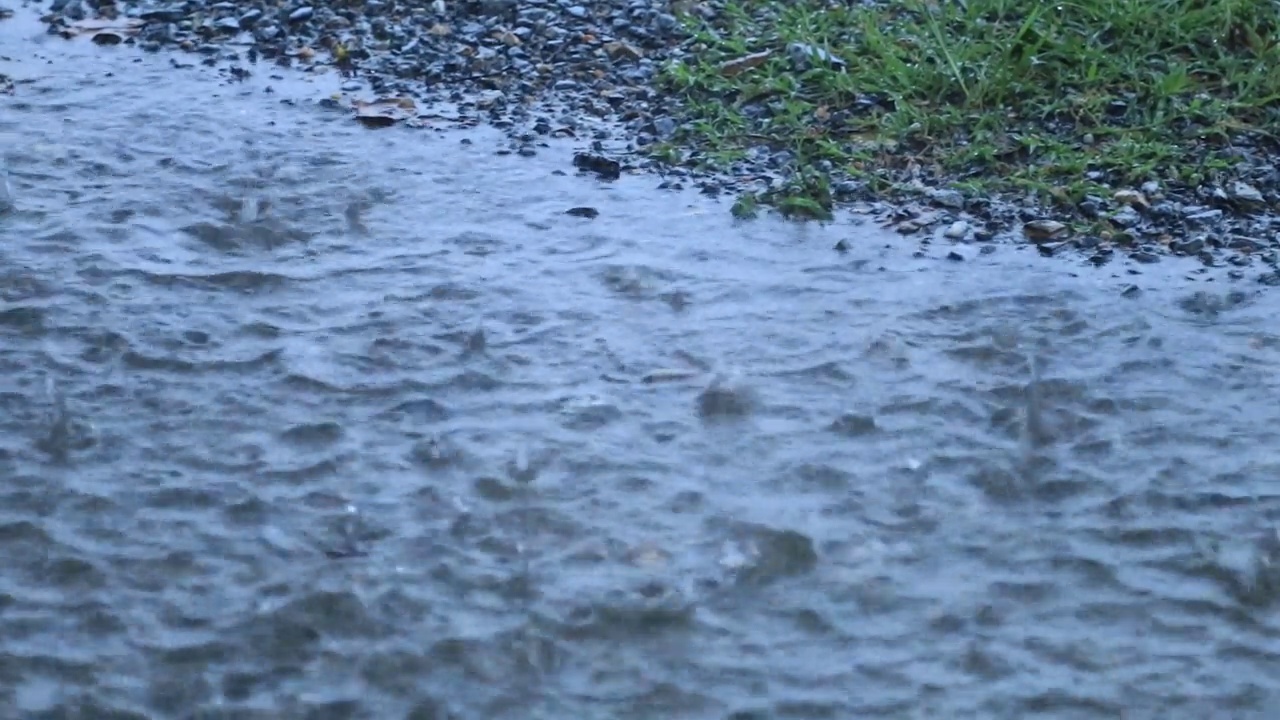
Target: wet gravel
{"type": "Point", "coordinates": [535, 68]}
{"type": "Point", "coordinates": [540, 69]}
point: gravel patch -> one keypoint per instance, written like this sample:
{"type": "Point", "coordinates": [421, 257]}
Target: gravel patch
{"type": "Point", "coordinates": [534, 68]}
{"type": "Point", "coordinates": [593, 72]}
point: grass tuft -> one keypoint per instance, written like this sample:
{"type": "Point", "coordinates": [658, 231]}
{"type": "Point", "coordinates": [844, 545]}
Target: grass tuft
{"type": "Point", "coordinates": [1055, 99]}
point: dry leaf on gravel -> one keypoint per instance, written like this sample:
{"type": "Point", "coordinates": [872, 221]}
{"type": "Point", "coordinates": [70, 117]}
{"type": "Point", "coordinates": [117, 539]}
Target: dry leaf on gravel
{"type": "Point", "coordinates": [736, 66]}
{"type": "Point", "coordinates": [619, 50]}
{"type": "Point", "coordinates": [384, 111]}
{"type": "Point", "coordinates": [1132, 198]}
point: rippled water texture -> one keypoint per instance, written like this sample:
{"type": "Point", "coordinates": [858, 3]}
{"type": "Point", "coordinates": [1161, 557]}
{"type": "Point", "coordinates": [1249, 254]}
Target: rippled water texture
{"type": "Point", "coordinates": [304, 420]}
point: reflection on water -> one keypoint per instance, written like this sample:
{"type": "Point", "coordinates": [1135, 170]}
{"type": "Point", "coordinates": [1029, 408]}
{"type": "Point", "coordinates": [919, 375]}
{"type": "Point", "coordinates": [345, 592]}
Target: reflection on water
{"type": "Point", "coordinates": [299, 419]}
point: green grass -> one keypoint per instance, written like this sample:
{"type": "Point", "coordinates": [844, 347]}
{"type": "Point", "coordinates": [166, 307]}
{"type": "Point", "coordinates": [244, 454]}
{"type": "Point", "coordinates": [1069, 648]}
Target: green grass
{"type": "Point", "coordinates": [1053, 99]}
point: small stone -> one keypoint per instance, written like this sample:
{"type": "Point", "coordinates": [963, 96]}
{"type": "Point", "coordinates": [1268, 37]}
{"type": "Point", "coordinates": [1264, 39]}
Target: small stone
{"type": "Point", "coordinates": [169, 13]}
{"type": "Point", "coordinates": [1145, 257]}
{"type": "Point", "coordinates": [1244, 193]}
{"type": "Point", "coordinates": [955, 256]}
{"type": "Point", "coordinates": [1091, 207]}
{"type": "Point", "coordinates": [303, 13]}
{"type": "Point", "coordinates": [947, 198]}
{"type": "Point", "coordinates": [577, 11]}
{"type": "Point", "coordinates": [1239, 242]}
{"type": "Point", "coordinates": [666, 23]}
{"type": "Point", "coordinates": [1050, 249]}
{"type": "Point", "coordinates": [1044, 230]}
{"type": "Point", "coordinates": [804, 56]}
{"type": "Point", "coordinates": [853, 425]}
{"type": "Point", "coordinates": [1126, 217]}
{"type": "Point", "coordinates": [1131, 291]}
{"type": "Point", "coordinates": [848, 188]}
{"type": "Point", "coordinates": [1202, 216]}
{"type": "Point", "coordinates": [957, 230]}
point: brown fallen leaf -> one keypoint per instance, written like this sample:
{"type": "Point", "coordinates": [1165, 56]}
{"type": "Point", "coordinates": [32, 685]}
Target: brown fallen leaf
{"type": "Point", "coordinates": [102, 30]}
{"type": "Point", "coordinates": [384, 111]}
{"type": "Point", "coordinates": [1133, 199]}
{"type": "Point", "coordinates": [736, 66]}
{"type": "Point", "coordinates": [619, 50]}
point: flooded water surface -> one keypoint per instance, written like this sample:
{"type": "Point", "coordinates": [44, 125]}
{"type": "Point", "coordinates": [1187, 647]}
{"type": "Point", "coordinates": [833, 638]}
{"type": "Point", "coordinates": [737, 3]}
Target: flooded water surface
{"type": "Point", "coordinates": [300, 419]}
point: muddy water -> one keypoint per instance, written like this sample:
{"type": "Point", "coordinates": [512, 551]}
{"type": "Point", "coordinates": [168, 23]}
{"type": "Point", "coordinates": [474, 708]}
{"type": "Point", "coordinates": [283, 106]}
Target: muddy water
{"type": "Point", "coordinates": [303, 420]}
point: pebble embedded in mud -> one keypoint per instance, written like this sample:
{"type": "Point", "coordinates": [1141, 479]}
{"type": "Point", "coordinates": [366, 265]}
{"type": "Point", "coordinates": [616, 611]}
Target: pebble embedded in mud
{"type": "Point", "coordinates": [589, 213]}
{"type": "Point", "coordinates": [853, 425]}
{"type": "Point", "coordinates": [726, 398]}
{"type": "Point", "coordinates": [1044, 230]}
